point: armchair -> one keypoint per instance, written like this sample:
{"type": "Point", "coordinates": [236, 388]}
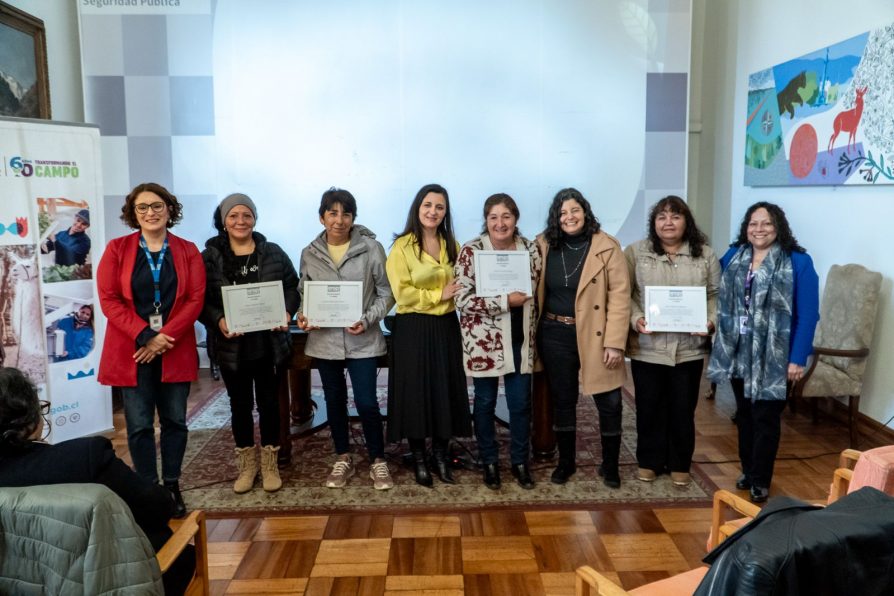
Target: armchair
{"type": "Point", "coordinates": [843, 337]}
{"type": "Point", "coordinates": [855, 470]}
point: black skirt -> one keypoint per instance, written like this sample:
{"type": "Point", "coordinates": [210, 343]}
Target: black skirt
{"type": "Point", "coordinates": [427, 391]}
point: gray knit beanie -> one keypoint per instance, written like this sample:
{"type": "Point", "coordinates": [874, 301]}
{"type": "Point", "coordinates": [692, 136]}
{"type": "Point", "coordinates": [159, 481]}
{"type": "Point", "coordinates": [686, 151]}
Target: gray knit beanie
{"type": "Point", "coordinates": [237, 198]}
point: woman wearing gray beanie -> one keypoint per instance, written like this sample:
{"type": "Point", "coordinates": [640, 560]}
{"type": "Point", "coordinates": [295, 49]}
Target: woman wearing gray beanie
{"type": "Point", "coordinates": [252, 364]}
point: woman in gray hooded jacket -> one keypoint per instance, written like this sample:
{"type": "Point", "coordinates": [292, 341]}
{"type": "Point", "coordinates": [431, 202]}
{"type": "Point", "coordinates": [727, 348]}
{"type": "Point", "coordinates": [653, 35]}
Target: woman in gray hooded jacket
{"type": "Point", "coordinates": [345, 251]}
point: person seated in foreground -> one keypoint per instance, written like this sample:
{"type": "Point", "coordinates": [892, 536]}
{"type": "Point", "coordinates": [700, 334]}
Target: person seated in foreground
{"type": "Point", "coordinates": [25, 460]}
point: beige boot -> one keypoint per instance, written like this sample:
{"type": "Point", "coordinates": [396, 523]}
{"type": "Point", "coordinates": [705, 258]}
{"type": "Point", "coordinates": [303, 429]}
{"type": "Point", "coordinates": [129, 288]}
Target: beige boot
{"type": "Point", "coordinates": [247, 462]}
{"type": "Point", "coordinates": [269, 470]}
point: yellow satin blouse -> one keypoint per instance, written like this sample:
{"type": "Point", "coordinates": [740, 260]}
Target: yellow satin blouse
{"type": "Point", "coordinates": [417, 283]}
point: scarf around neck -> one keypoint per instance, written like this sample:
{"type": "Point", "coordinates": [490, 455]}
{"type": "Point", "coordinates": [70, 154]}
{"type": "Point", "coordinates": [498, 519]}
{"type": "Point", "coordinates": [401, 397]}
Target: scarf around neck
{"type": "Point", "coordinates": [760, 357]}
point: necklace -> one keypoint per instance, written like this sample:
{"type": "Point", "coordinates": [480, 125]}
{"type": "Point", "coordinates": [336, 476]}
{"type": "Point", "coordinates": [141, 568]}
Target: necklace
{"type": "Point", "coordinates": [579, 263]}
{"type": "Point", "coordinates": [245, 268]}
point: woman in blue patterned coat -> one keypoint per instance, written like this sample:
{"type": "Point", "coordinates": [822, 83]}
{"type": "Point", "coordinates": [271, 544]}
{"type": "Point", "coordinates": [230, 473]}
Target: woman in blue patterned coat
{"type": "Point", "coordinates": [768, 309]}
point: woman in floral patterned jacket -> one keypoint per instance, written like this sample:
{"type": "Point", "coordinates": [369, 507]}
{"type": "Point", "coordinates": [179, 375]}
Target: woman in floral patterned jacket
{"type": "Point", "coordinates": [498, 341]}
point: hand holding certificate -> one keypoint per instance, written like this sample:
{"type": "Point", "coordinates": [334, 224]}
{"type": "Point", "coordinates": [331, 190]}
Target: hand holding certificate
{"type": "Point", "coordinates": [333, 303]}
{"type": "Point", "coordinates": [254, 307]}
{"type": "Point", "coordinates": [681, 309]}
{"type": "Point", "coordinates": [499, 272]}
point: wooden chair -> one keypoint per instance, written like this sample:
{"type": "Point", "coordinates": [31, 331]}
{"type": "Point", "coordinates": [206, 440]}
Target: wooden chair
{"type": "Point", "coordinates": [855, 470]}
{"type": "Point", "coordinates": [192, 528]}
{"type": "Point", "coordinates": [843, 336]}
{"type": "Point", "coordinates": [590, 582]}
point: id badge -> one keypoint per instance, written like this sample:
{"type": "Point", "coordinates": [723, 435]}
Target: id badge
{"type": "Point", "coordinates": [155, 322]}
{"type": "Point", "coordinates": [743, 325]}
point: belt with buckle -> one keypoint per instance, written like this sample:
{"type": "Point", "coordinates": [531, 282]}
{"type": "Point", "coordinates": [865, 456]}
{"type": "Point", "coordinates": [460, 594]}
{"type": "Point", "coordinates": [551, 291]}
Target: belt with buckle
{"type": "Point", "coordinates": [551, 317]}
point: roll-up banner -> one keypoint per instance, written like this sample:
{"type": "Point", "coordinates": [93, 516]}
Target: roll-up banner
{"type": "Point", "coordinates": [51, 238]}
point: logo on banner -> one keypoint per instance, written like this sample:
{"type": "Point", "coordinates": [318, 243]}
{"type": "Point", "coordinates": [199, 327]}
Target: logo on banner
{"type": "Point", "coordinates": [18, 228]}
{"type": "Point", "coordinates": [83, 374]}
{"type": "Point", "coordinates": [66, 413]}
{"type": "Point", "coordinates": [41, 168]}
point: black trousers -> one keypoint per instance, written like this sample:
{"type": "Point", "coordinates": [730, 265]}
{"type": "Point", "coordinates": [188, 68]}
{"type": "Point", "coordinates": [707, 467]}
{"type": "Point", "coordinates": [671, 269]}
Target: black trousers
{"type": "Point", "coordinates": [558, 349]}
{"type": "Point", "coordinates": [666, 397]}
{"type": "Point", "coordinates": [759, 423]}
{"type": "Point", "coordinates": [254, 381]}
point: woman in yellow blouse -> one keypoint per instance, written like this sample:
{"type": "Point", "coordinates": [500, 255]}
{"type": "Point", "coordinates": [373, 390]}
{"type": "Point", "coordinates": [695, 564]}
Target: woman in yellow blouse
{"type": "Point", "coordinates": [427, 391]}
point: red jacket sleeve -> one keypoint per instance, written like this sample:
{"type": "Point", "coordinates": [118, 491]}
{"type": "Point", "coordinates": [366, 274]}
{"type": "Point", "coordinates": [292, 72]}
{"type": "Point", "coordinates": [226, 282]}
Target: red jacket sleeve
{"type": "Point", "coordinates": [118, 308]}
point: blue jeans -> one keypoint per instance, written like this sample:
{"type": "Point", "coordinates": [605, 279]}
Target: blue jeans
{"type": "Point", "coordinates": [518, 399]}
{"type": "Point", "coordinates": [140, 404]}
{"type": "Point", "coordinates": [363, 381]}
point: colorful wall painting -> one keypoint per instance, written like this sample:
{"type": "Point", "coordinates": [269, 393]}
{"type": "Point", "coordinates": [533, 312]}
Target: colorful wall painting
{"type": "Point", "coordinates": [826, 118]}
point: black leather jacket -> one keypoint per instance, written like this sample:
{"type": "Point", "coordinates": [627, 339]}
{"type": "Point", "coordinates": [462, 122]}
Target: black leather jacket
{"type": "Point", "coordinates": [792, 547]}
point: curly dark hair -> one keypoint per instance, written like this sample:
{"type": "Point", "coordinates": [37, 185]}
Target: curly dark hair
{"type": "Point", "coordinates": [445, 229]}
{"type": "Point", "coordinates": [19, 409]}
{"type": "Point", "coordinates": [692, 234]}
{"type": "Point", "coordinates": [129, 215]}
{"type": "Point", "coordinates": [553, 232]}
{"type": "Point", "coordinates": [787, 241]}
{"type": "Point", "coordinates": [501, 198]}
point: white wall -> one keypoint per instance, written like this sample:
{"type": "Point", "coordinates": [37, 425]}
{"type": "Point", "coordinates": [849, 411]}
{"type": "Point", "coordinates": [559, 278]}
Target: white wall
{"type": "Point", "coordinates": [60, 17]}
{"type": "Point", "coordinates": [836, 224]}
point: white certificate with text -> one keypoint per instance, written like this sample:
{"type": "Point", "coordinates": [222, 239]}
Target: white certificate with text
{"type": "Point", "coordinates": [682, 309]}
{"type": "Point", "coordinates": [499, 272]}
{"type": "Point", "coordinates": [333, 303]}
{"type": "Point", "coordinates": [254, 307]}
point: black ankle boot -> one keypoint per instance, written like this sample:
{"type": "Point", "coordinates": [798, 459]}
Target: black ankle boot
{"type": "Point", "coordinates": [523, 476]}
{"type": "Point", "coordinates": [441, 464]}
{"type": "Point", "coordinates": [492, 476]}
{"type": "Point", "coordinates": [423, 476]}
{"type": "Point", "coordinates": [179, 505]}
{"type": "Point", "coordinates": [608, 469]}
{"type": "Point", "coordinates": [566, 442]}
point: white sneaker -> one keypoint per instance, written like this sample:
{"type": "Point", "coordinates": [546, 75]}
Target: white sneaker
{"type": "Point", "coordinates": [380, 475]}
{"type": "Point", "coordinates": [341, 471]}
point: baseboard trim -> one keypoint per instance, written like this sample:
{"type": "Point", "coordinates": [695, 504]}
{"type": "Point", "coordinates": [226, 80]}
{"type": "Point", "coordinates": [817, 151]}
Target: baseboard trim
{"type": "Point", "coordinates": [872, 432]}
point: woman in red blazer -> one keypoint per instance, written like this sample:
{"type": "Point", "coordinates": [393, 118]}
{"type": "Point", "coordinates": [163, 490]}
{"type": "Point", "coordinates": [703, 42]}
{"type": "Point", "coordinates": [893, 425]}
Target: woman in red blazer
{"type": "Point", "coordinates": [152, 288]}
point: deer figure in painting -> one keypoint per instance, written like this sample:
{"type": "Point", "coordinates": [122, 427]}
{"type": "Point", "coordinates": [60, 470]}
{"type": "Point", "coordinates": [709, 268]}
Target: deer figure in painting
{"type": "Point", "coordinates": [847, 121]}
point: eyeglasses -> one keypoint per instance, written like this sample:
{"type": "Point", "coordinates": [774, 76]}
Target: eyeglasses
{"type": "Point", "coordinates": [45, 412]}
{"type": "Point", "coordinates": [157, 207]}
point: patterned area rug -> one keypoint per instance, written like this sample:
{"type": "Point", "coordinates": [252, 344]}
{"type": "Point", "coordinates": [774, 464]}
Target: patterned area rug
{"type": "Point", "coordinates": [209, 472]}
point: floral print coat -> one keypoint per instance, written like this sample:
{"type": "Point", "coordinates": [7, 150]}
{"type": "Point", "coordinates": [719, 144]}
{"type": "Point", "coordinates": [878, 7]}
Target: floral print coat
{"type": "Point", "coordinates": [486, 323]}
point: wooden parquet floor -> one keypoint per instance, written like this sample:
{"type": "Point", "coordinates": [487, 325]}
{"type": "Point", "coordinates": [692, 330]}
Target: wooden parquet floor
{"type": "Point", "coordinates": [501, 552]}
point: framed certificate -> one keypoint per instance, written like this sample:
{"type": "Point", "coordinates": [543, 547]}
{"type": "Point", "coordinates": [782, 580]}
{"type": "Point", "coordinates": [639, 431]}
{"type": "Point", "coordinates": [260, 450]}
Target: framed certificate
{"type": "Point", "coordinates": [681, 309]}
{"type": "Point", "coordinates": [254, 307]}
{"type": "Point", "coordinates": [499, 272]}
{"type": "Point", "coordinates": [333, 303]}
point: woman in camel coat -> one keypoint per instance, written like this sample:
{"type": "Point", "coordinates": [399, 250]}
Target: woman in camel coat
{"type": "Point", "coordinates": [584, 300]}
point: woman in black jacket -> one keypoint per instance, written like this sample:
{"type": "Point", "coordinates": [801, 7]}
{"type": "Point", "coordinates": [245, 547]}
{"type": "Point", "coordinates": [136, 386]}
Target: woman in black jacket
{"type": "Point", "coordinates": [252, 364]}
{"type": "Point", "coordinates": [25, 460]}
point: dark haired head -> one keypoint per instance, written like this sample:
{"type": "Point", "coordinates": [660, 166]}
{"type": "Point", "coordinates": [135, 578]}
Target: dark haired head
{"type": "Point", "coordinates": [19, 409]}
{"type": "Point", "coordinates": [338, 196]}
{"type": "Point", "coordinates": [553, 232]}
{"type": "Point", "coordinates": [445, 229]}
{"type": "Point", "coordinates": [129, 215]}
{"type": "Point", "coordinates": [691, 234]}
{"type": "Point", "coordinates": [784, 237]}
{"type": "Point", "coordinates": [501, 198]}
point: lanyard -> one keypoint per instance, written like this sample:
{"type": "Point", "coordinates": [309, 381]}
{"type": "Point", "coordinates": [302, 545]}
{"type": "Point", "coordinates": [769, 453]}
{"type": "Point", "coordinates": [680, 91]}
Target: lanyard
{"type": "Point", "coordinates": [749, 278]}
{"type": "Point", "coordinates": [155, 268]}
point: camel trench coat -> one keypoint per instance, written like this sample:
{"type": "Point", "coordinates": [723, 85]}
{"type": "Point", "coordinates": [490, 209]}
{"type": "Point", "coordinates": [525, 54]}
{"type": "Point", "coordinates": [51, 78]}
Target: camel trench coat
{"type": "Point", "coordinates": [602, 310]}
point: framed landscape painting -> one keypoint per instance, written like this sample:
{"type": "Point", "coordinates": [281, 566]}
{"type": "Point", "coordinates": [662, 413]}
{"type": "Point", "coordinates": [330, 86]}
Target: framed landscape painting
{"type": "Point", "coordinates": [24, 84]}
